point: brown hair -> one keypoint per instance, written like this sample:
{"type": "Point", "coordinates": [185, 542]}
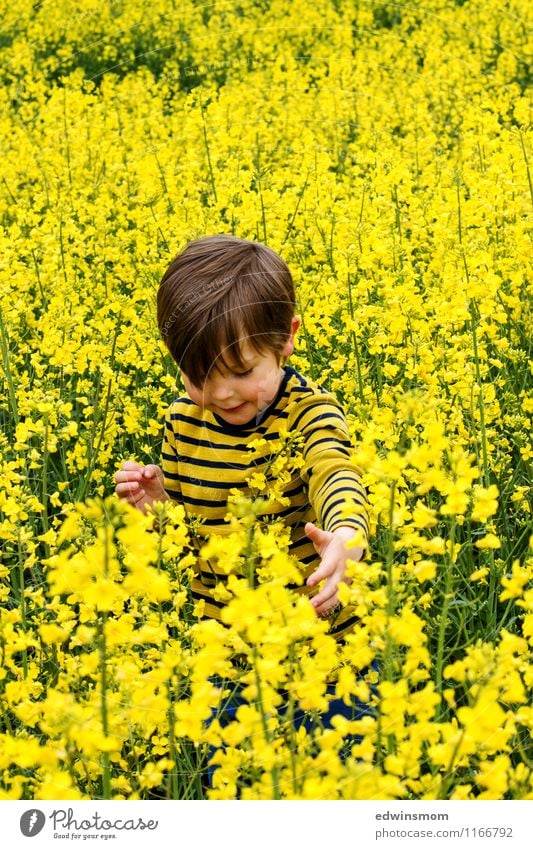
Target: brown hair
{"type": "Point", "coordinates": [220, 290]}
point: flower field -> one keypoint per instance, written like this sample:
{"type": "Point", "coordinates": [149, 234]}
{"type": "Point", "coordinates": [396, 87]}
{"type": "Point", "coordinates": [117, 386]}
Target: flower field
{"type": "Point", "coordinates": [384, 149]}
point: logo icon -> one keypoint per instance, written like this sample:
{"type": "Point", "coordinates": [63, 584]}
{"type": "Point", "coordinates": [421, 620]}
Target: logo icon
{"type": "Point", "coordinates": [32, 822]}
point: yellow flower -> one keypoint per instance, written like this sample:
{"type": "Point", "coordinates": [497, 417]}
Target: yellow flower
{"type": "Point", "coordinates": [53, 633]}
{"type": "Point", "coordinates": [494, 776]}
{"type": "Point", "coordinates": [479, 574]}
{"type": "Point", "coordinates": [514, 585]}
{"type": "Point", "coordinates": [489, 541]}
{"type": "Point", "coordinates": [486, 722]}
{"type": "Point", "coordinates": [57, 785]}
{"type": "Point", "coordinates": [423, 516]}
{"type": "Point", "coordinates": [425, 570]}
{"type": "Point", "coordinates": [456, 503]}
{"type": "Point", "coordinates": [407, 628]}
{"type": "Point", "coordinates": [485, 502]}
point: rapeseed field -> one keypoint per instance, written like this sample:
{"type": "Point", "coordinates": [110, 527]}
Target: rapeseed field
{"type": "Point", "coordinates": [384, 150]}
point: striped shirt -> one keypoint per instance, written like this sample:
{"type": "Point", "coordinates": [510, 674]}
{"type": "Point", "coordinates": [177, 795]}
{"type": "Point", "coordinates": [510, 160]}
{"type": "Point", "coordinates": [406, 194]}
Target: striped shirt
{"type": "Point", "coordinates": [204, 458]}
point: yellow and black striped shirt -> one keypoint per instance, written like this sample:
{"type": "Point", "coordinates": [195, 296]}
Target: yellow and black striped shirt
{"type": "Point", "coordinates": [204, 458]}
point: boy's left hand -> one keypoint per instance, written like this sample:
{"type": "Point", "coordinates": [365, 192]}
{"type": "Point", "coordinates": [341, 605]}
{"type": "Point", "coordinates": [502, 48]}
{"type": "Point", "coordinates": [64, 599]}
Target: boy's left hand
{"type": "Point", "coordinates": [331, 548]}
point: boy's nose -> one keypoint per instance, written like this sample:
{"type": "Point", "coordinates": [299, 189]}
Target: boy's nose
{"type": "Point", "coordinates": [220, 390]}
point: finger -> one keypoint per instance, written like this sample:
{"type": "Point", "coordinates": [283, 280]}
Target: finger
{"type": "Point", "coordinates": [324, 571]}
{"type": "Point", "coordinates": [327, 606]}
{"type": "Point", "coordinates": [325, 596]}
{"type": "Point", "coordinates": [136, 499]}
{"type": "Point", "coordinates": [314, 533]}
{"type": "Point", "coordinates": [150, 471]}
{"type": "Point", "coordinates": [131, 487]}
{"type": "Point", "coordinates": [131, 465]}
{"type": "Point", "coordinates": [318, 537]}
{"type": "Point", "coordinates": [122, 477]}
{"type": "Point", "coordinates": [131, 498]}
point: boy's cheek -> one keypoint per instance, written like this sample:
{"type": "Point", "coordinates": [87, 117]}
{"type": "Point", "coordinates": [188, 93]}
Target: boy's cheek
{"type": "Point", "coordinates": [266, 389]}
{"type": "Point", "coordinates": [196, 395]}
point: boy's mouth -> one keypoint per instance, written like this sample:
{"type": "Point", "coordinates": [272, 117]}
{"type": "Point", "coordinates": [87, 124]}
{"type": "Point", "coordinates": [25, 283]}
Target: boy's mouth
{"type": "Point", "coordinates": [233, 409]}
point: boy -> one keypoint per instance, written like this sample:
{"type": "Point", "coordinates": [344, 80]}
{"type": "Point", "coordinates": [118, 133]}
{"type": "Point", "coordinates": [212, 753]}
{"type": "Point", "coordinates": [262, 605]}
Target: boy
{"type": "Point", "coordinates": [226, 311]}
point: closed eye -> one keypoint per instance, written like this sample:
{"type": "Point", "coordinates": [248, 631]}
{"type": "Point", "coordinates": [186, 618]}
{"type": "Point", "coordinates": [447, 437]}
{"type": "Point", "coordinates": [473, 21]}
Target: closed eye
{"type": "Point", "coordinates": [243, 373]}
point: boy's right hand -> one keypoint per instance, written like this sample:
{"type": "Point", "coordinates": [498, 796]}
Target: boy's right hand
{"type": "Point", "coordinates": [140, 485]}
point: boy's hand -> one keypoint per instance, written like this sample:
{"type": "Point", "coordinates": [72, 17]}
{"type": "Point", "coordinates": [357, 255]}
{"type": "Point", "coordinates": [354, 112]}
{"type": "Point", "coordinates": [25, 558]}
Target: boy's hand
{"type": "Point", "coordinates": [140, 485]}
{"type": "Point", "coordinates": [334, 554]}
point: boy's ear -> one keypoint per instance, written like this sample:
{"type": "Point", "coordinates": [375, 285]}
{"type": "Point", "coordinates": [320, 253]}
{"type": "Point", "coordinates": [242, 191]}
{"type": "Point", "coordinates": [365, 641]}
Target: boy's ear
{"type": "Point", "coordinates": [289, 344]}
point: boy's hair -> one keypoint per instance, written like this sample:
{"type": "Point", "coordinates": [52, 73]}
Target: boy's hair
{"type": "Point", "coordinates": [217, 291]}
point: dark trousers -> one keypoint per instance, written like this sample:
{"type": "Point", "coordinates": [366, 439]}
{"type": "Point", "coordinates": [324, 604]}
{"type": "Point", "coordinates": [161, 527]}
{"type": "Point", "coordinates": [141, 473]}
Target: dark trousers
{"type": "Point", "coordinates": [227, 712]}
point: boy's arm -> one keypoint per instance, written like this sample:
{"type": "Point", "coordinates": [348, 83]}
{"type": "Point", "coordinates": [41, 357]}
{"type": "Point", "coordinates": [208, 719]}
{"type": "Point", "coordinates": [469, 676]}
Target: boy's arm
{"type": "Point", "coordinates": [331, 477]}
{"type": "Point", "coordinates": [332, 482]}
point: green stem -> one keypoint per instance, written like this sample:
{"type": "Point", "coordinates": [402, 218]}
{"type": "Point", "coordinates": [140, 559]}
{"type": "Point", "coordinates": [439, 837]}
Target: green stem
{"type": "Point", "coordinates": [290, 718]}
{"type": "Point", "coordinates": [38, 276]}
{"type": "Point", "coordinates": [294, 214]}
{"type": "Point", "coordinates": [22, 604]}
{"type": "Point", "coordinates": [397, 215]}
{"type": "Point", "coordinates": [62, 251]}
{"type": "Point", "coordinates": [379, 378]}
{"type": "Point", "coordinates": [360, 222]}
{"type": "Point", "coordinates": [102, 648]}
{"type": "Point", "coordinates": [355, 345]}
{"type": "Point", "coordinates": [474, 315]}
{"type": "Point", "coordinates": [173, 789]}
{"type": "Point", "coordinates": [309, 346]}
{"type": "Point", "coordinates": [67, 144]}
{"type": "Point", "coordinates": [106, 777]}
{"type": "Point", "coordinates": [5, 721]}
{"type": "Point", "coordinates": [44, 485]}
{"type": "Point", "coordinates": [266, 733]}
{"type": "Point", "coordinates": [257, 176]}
{"type": "Point", "coordinates": [388, 667]}
{"type": "Point", "coordinates": [389, 563]}
{"type": "Point", "coordinates": [250, 557]}
{"type": "Point", "coordinates": [449, 775]}
{"type": "Point", "coordinates": [94, 450]}
{"type": "Point", "coordinates": [448, 581]}
{"type": "Point", "coordinates": [209, 163]}
{"type": "Point", "coordinates": [459, 214]}
{"type": "Point", "coordinates": [527, 166]}
{"type": "Point", "coordinates": [7, 371]}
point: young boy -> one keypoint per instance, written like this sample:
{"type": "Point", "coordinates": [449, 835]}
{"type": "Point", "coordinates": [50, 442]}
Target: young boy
{"type": "Point", "coordinates": [226, 311]}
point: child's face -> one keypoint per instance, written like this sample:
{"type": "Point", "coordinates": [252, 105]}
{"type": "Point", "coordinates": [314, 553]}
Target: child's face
{"type": "Point", "coordinates": [236, 395]}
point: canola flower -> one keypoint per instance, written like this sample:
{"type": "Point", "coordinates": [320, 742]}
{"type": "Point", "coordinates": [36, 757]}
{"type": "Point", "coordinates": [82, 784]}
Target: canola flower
{"type": "Point", "coordinates": [385, 151]}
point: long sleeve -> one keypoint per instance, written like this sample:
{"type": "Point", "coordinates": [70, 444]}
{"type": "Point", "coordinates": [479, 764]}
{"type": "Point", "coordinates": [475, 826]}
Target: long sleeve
{"type": "Point", "coordinates": [330, 477]}
{"type": "Point", "coordinates": [169, 459]}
